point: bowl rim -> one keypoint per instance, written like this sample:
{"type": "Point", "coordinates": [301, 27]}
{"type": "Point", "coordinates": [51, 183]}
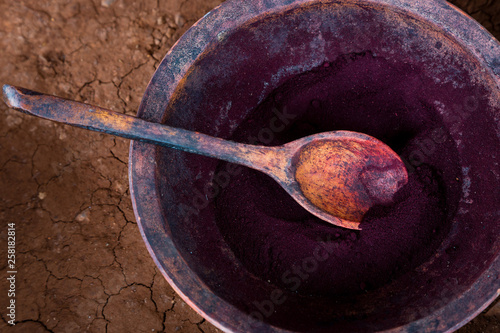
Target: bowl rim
{"type": "Point", "coordinates": [160, 89]}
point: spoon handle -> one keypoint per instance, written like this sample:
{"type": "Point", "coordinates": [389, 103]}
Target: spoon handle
{"type": "Point", "coordinates": [266, 159]}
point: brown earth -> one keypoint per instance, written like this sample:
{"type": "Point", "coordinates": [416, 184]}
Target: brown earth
{"type": "Point", "coordinates": [81, 263]}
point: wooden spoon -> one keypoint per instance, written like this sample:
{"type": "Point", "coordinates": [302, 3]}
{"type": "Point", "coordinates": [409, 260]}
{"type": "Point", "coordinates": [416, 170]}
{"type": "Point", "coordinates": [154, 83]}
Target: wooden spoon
{"type": "Point", "coordinates": [336, 176]}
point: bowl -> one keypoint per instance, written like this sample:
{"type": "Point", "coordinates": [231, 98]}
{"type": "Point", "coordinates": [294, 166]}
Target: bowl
{"type": "Point", "coordinates": [419, 75]}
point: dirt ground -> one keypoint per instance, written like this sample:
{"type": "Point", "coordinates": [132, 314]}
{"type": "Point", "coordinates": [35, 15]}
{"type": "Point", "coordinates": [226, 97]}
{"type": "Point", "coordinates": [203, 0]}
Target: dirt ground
{"type": "Point", "coordinates": [81, 263]}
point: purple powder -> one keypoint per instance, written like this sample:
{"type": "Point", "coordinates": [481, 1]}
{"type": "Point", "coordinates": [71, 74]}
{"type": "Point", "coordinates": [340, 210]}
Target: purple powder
{"type": "Point", "coordinates": [277, 240]}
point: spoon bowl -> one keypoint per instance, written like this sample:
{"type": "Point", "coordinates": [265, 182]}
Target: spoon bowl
{"type": "Point", "coordinates": [342, 174]}
{"type": "Point", "coordinates": [337, 176]}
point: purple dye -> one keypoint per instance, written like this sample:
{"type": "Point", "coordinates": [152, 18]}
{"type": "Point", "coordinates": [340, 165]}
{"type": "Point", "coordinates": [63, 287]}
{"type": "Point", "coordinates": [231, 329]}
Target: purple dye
{"type": "Point", "coordinates": [278, 241]}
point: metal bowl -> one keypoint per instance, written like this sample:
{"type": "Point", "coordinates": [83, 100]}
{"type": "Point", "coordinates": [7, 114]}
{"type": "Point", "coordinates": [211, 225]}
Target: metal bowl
{"type": "Point", "coordinates": [231, 61]}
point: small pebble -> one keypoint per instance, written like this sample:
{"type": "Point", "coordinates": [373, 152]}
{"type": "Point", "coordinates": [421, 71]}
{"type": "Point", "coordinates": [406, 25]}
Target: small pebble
{"type": "Point", "coordinates": [169, 33]}
{"type": "Point", "coordinates": [170, 22]}
{"type": "Point", "coordinates": [161, 20]}
{"type": "Point", "coordinates": [107, 3]}
{"type": "Point", "coordinates": [83, 216]}
{"type": "Point", "coordinates": [179, 20]}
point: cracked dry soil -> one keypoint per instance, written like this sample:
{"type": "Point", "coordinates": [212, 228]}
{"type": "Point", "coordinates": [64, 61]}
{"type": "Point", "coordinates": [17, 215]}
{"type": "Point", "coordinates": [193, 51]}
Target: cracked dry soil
{"type": "Point", "coordinates": [81, 263]}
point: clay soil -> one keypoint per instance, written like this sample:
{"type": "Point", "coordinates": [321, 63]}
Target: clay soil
{"type": "Point", "coordinates": [81, 263]}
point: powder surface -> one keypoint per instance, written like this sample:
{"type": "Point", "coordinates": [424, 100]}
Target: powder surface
{"type": "Point", "coordinates": [277, 240]}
